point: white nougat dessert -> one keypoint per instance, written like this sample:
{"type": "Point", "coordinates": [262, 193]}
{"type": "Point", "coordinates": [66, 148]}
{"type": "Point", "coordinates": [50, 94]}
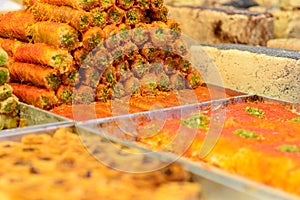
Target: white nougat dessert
{"type": "Point", "coordinates": [257, 70]}
{"type": "Point", "coordinates": [286, 23]}
{"type": "Point", "coordinates": [268, 3]}
{"type": "Point", "coordinates": [216, 25]}
{"type": "Point", "coordinates": [289, 4]}
{"type": "Point", "coordinates": [285, 43]}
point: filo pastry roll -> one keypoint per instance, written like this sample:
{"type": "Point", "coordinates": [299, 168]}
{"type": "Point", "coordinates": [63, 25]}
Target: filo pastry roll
{"type": "Point", "coordinates": [112, 37]}
{"type": "Point", "coordinates": [90, 76]}
{"type": "Point", "coordinates": [194, 79]}
{"type": "Point", "coordinates": [3, 57]}
{"type": "Point", "coordinates": [78, 19]}
{"type": "Point", "coordinates": [99, 17]}
{"type": "Point", "coordinates": [43, 54]}
{"type": "Point", "coordinates": [42, 76]}
{"type": "Point", "coordinates": [156, 5]}
{"type": "Point", "coordinates": [9, 105]}
{"type": "Point", "coordinates": [103, 93]}
{"type": "Point", "coordinates": [105, 4]}
{"type": "Point", "coordinates": [175, 28]}
{"type": "Point", "coordinates": [58, 35]}
{"type": "Point", "coordinates": [124, 31]}
{"type": "Point", "coordinates": [92, 38]}
{"type": "Point", "coordinates": [70, 78]}
{"type": "Point", "coordinates": [80, 55]}
{"type": "Point", "coordinates": [143, 4]}
{"type": "Point", "coordinates": [77, 4]}
{"type": "Point", "coordinates": [115, 15]}
{"type": "Point", "coordinates": [39, 97]}
{"type": "Point", "coordinates": [134, 16]}
{"type": "Point", "coordinates": [4, 75]}
{"type": "Point", "coordinates": [140, 34]}
{"type": "Point", "coordinates": [5, 91]}
{"type": "Point", "coordinates": [65, 94]}
{"type": "Point", "coordinates": [8, 122]}
{"type": "Point", "coordinates": [10, 45]}
{"type": "Point", "coordinates": [83, 95]}
{"type": "Point", "coordinates": [15, 24]}
{"type": "Point", "coordinates": [125, 4]}
{"type": "Point", "coordinates": [159, 34]}
{"type": "Point", "coordinates": [160, 15]}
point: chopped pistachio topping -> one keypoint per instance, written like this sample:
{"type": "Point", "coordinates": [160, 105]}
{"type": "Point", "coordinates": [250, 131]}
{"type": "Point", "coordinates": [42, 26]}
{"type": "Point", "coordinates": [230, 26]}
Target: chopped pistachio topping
{"type": "Point", "coordinates": [45, 102]}
{"type": "Point", "coordinates": [160, 35]}
{"type": "Point", "coordinates": [178, 83]}
{"type": "Point", "coordinates": [186, 66]}
{"type": "Point", "coordinates": [67, 95]}
{"type": "Point", "coordinates": [110, 77]}
{"type": "Point", "coordinates": [144, 3]}
{"type": "Point", "coordinates": [289, 148]}
{"type": "Point", "coordinates": [197, 121]}
{"type": "Point", "coordinates": [139, 34]}
{"type": "Point", "coordinates": [125, 4]}
{"type": "Point", "coordinates": [248, 134]}
{"type": "Point", "coordinates": [195, 81]}
{"type": "Point", "coordinates": [5, 92]}
{"type": "Point", "coordinates": [95, 40]}
{"type": "Point", "coordinates": [115, 15]}
{"type": "Point", "coordinates": [118, 91]}
{"type": "Point", "coordinates": [106, 2]}
{"type": "Point", "coordinates": [58, 59]}
{"type": "Point", "coordinates": [9, 105]}
{"type": "Point", "coordinates": [53, 80]}
{"type": "Point", "coordinates": [255, 112]}
{"type": "Point", "coordinates": [124, 33]}
{"type": "Point", "coordinates": [99, 18]}
{"type": "Point", "coordinates": [140, 69]}
{"type": "Point", "coordinates": [158, 3]}
{"type": "Point", "coordinates": [164, 82]}
{"type": "Point", "coordinates": [87, 1]}
{"type": "Point", "coordinates": [133, 16]}
{"type": "Point", "coordinates": [60, 62]}
{"type": "Point", "coordinates": [295, 120]}
{"type": "Point", "coordinates": [84, 21]}
{"type": "Point", "coordinates": [4, 75]}
{"type": "Point", "coordinates": [3, 60]}
{"type": "Point", "coordinates": [8, 122]}
{"type": "Point", "coordinates": [3, 57]}
{"type": "Point", "coordinates": [72, 76]}
{"type": "Point", "coordinates": [68, 40]}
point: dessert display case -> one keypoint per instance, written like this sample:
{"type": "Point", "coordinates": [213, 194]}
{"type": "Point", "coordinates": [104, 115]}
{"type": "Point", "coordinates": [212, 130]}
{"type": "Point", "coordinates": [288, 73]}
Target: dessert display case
{"type": "Point", "coordinates": [145, 102]}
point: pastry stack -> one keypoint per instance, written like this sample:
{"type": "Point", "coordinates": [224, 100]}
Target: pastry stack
{"type": "Point", "coordinates": [9, 103]}
{"type": "Point", "coordinates": [85, 51]}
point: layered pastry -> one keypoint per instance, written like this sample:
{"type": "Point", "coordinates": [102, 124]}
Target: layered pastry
{"type": "Point", "coordinates": [255, 136]}
{"type": "Point", "coordinates": [86, 167]}
{"type": "Point", "coordinates": [9, 103]}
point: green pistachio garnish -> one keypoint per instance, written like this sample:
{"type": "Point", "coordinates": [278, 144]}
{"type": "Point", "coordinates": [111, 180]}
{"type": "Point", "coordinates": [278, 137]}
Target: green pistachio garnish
{"type": "Point", "coordinates": [68, 40]}
{"type": "Point", "coordinates": [84, 21]}
{"type": "Point", "coordinates": [295, 120]}
{"type": "Point", "coordinates": [248, 134]}
{"type": "Point", "coordinates": [67, 95]}
{"type": "Point", "coordinates": [289, 148]}
{"type": "Point", "coordinates": [198, 121]}
{"type": "Point", "coordinates": [255, 112]}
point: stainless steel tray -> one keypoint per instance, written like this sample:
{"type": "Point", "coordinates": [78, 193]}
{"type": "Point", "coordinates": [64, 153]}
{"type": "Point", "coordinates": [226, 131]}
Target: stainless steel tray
{"type": "Point", "coordinates": [36, 119]}
{"type": "Point", "coordinates": [215, 180]}
{"type": "Point", "coordinates": [140, 162]}
{"type": "Point", "coordinates": [211, 190]}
